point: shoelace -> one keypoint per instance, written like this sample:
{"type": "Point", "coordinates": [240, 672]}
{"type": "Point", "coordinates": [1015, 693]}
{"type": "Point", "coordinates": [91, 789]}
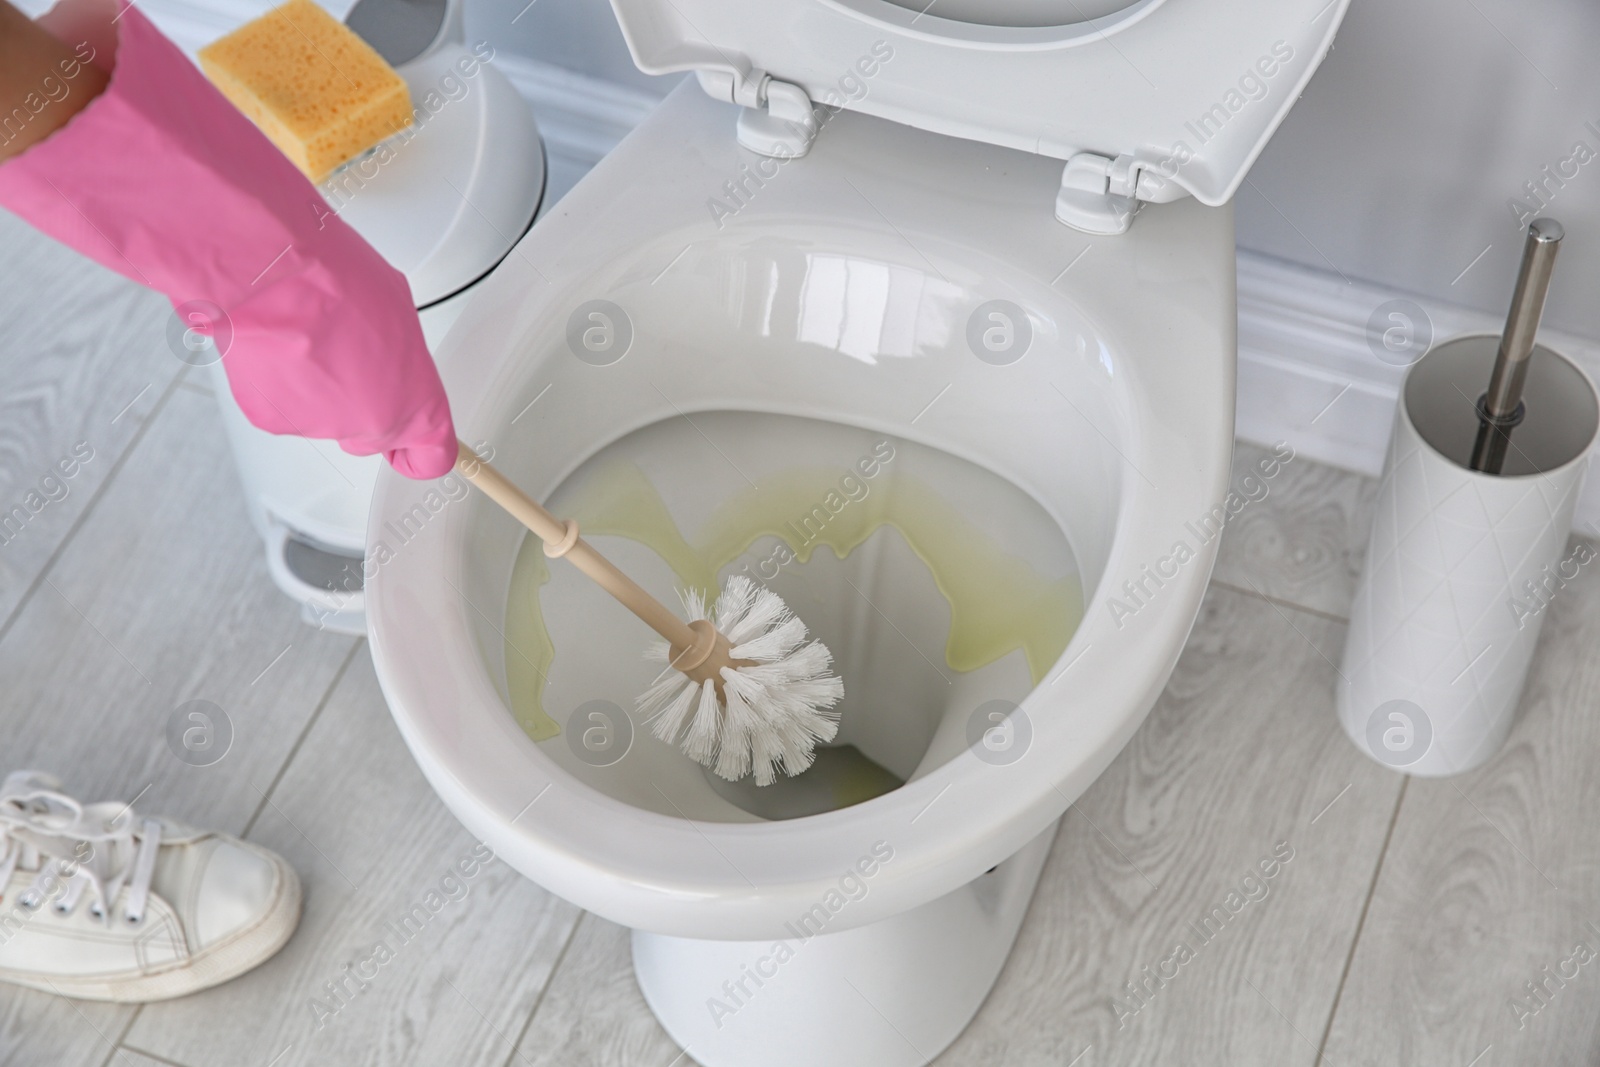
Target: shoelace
{"type": "Point", "coordinates": [99, 848]}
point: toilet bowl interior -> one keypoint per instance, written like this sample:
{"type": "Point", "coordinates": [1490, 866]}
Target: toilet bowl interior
{"type": "Point", "coordinates": [938, 586]}
{"type": "Point", "coordinates": [809, 409]}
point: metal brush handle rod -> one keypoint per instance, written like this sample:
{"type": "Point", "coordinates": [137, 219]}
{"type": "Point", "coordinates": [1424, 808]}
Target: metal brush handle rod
{"type": "Point", "coordinates": [1500, 409]}
{"type": "Point", "coordinates": [1522, 321]}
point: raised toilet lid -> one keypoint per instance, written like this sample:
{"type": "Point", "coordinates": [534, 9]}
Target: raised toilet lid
{"type": "Point", "coordinates": [1186, 91]}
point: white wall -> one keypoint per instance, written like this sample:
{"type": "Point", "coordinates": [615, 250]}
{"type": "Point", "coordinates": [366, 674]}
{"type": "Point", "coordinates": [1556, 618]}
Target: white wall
{"type": "Point", "coordinates": [1396, 165]}
{"type": "Point", "coordinates": [1427, 117]}
{"type": "Point", "coordinates": [581, 35]}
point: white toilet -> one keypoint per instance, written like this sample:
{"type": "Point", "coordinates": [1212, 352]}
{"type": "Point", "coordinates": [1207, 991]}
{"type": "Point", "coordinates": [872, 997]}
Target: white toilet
{"type": "Point", "coordinates": [1016, 313]}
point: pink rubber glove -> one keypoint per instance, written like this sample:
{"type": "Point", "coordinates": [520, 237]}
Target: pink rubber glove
{"type": "Point", "coordinates": [162, 180]}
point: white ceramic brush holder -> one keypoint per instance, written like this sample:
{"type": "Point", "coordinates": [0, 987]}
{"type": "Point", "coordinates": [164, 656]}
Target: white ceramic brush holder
{"type": "Point", "coordinates": [1461, 563]}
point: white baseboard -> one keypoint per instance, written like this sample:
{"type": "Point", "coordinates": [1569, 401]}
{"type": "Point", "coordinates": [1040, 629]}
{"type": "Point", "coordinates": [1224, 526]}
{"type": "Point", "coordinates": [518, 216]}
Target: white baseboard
{"type": "Point", "coordinates": [1309, 375]}
{"type": "Point", "coordinates": [1307, 372]}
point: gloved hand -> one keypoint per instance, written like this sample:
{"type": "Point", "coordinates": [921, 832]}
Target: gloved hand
{"type": "Point", "coordinates": [162, 180]}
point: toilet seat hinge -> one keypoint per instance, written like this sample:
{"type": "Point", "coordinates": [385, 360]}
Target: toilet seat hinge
{"type": "Point", "coordinates": [777, 120]}
{"type": "Point", "coordinates": [1100, 195]}
{"type": "Point", "coordinates": [1096, 194]}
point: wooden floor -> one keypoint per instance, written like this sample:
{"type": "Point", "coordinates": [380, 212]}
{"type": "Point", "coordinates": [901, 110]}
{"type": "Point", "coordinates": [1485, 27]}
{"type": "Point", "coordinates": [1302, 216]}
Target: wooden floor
{"type": "Point", "coordinates": [1404, 929]}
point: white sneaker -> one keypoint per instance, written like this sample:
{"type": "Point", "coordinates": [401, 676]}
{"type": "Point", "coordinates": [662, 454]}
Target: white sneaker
{"type": "Point", "coordinates": [99, 903]}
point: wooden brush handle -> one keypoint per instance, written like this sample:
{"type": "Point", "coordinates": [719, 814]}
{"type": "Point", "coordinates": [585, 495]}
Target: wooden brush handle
{"type": "Point", "coordinates": [561, 540]}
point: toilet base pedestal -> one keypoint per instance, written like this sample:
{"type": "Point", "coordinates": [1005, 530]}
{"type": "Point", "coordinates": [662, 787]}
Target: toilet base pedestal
{"type": "Point", "coordinates": [894, 993]}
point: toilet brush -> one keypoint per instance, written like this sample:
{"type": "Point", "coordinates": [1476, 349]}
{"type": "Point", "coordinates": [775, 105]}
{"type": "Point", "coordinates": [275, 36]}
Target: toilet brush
{"type": "Point", "coordinates": [1469, 529]}
{"type": "Point", "coordinates": [744, 691]}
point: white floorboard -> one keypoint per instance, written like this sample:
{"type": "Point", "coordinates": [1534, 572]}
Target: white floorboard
{"type": "Point", "coordinates": [83, 362]}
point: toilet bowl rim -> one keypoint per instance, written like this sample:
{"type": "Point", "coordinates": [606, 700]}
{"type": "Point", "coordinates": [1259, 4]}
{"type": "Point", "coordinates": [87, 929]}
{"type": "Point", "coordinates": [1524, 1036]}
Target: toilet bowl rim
{"type": "Point", "coordinates": [994, 810]}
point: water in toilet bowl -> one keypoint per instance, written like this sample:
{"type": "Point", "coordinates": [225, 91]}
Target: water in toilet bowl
{"type": "Point", "coordinates": [938, 585]}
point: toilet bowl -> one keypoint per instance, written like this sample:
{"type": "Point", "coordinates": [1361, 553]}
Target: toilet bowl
{"type": "Point", "coordinates": [697, 324]}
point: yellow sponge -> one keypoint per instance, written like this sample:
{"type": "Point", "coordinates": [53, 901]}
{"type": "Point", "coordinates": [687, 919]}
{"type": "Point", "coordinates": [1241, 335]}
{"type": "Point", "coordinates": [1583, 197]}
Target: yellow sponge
{"type": "Point", "coordinates": [316, 89]}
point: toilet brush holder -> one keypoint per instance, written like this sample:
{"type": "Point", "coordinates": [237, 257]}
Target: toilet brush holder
{"type": "Point", "coordinates": [1462, 562]}
{"type": "Point", "coordinates": [1473, 511]}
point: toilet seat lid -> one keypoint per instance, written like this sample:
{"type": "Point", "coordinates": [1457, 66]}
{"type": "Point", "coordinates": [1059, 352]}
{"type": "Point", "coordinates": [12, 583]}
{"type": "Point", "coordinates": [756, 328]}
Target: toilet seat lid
{"type": "Point", "coordinates": [1190, 90]}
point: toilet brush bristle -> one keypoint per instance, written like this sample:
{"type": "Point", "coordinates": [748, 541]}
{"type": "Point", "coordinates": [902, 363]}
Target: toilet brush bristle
{"type": "Point", "coordinates": [772, 713]}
